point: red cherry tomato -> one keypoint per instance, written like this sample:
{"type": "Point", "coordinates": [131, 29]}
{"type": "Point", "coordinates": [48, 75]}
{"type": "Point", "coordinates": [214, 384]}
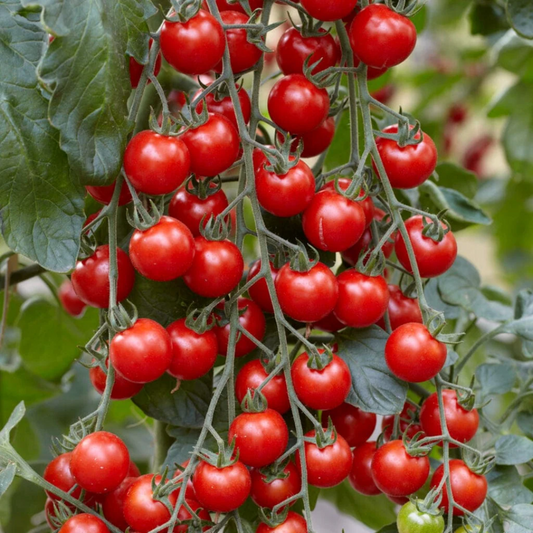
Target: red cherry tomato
{"type": "Point", "coordinates": [397, 473]}
{"type": "Point", "coordinates": [433, 258]}
{"type": "Point", "coordinates": [224, 5]}
{"type": "Point", "coordinates": [294, 523]}
{"type": "Point", "coordinates": [259, 290]}
{"type": "Point", "coordinates": [309, 105]}
{"type": "Point", "coordinates": [317, 141]}
{"type": "Point", "coordinates": [321, 389]}
{"type": "Point", "coordinates": [252, 375]}
{"type": "Point", "coordinates": [136, 69]}
{"type": "Point", "coordinates": [189, 489]}
{"type": "Point", "coordinates": [156, 164]}
{"type": "Point", "coordinates": [84, 523]}
{"type": "Point", "coordinates": [122, 388]}
{"type": "Point", "coordinates": [269, 493]}
{"type": "Point", "coordinates": [193, 354]}
{"type": "Point", "coordinates": [360, 476]}
{"type": "Point", "coordinates": [100, 462]}
{"type": "Point", "coordinates": [141, 353]}
{"type": "Point", "coordinates": [462, 424]}
{"type": "Point", "coordinates": [58, 473]}
{"type": "Point", "coordinates": [412, 354]}
{"type": "Point", "coordinates": [354, 425]}
{"type": "Point", "coordinates": [104, 193]}
{"type": "Point", "coordinates": [133, 470]}
{"type": "Point", "coordinates": [90, 278]}
{"type": "Point", "coordinates": [408, 423]}
{"type": "Point", "coordinates": [380, 37]}
{"type": "Point", "coordinates": [195, 46]}
{"type": "Point", "coordinates": [402, 309]}
{"type": "Point", "coordinates": [70, 300]}
{"type": "Point", "coordinates": [260, 438]}
{"type": "Point", "coordinates": [329, 11]}
{"type": "Point", "coordinates": [329, 323]}
{"type": "Point", "coordinates": [285, 195]}
{"type": "Point", "coordinates": [328, 466]}
{"type": "Point", "coordinates": [213, 146]}
{"type": "Point", "coordinates": [469, 489]}
{"type": "Point", "coordinates": [293, 49]}
{"type": "Point", "coordinates": [408, 166]}
{"type": "Point", "coordinates": [363, 300]}
{"type": "Point", "coordinates": [307, 296]}
{"type": "Point", "coordinates": [216, 270]}
{"type": "Point", "coordinates": [224, 106]}
{"type": "Point", "coordinates": [113, 504]}
{"type": "Point", "coordinates": [222, 490]}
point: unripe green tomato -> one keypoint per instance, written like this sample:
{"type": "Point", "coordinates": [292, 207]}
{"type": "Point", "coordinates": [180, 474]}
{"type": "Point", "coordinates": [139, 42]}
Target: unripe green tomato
{"type": "Point", "coordinates": [410, 520]}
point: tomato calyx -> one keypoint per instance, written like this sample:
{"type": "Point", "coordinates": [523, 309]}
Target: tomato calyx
{"type": "Point", "coordinates": [226, 455]}
{"type": "Point", "coordinates": [203, 188]}
{"type": "Point", "coordinates": [407, 8]}
{"type": "Point", "coordinates": [118, 319]}
{"type": "Point", "coordinates": [201, 321]}
{"type": "Point", "coordinates": [215, 228]}
{"type": "Point", "coordinates": [479, 463]}
{"type": "Point", "coordinates": [254, 401]}
{"type": "Point", "coordinates": [300, 260]}
{"type": "Point", "coordinates": [320, 359]}
{"type": "Point", "coordinates": [406, 135]}
{"type": "Point", "coordinates": [323, 437]}
{"type": "Point", "coordinates": [273, 518]}
{"type": "Point", "coordinates": [187, 10]}
{"type": "Point", "coordinates": [430, 504]}
{"type": "Point", "coordinates": [275, 471]}
{"type": "Point", "coordinates": [257, 32]}
{"type": "Point", "coordinates": [142, 218]}
{"type": "Point", "coordinates": [415, 446]}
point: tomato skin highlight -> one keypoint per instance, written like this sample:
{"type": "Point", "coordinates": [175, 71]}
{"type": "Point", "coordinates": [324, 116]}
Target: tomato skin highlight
{"type": "Point", "coordinates": [294, 523]}
{"type": "Point", "coordinates": [360, 476]}
{"type": "Point", "coordinates": [271, 494]}
{"type": "Point", "coordinates": [69, 299]}
{"type": "Point", "coordinates": [355, 425]}
{"type": "Point", "coordinates": [84, 523]}
{"type": "Point", "coordinates": [410, 520]}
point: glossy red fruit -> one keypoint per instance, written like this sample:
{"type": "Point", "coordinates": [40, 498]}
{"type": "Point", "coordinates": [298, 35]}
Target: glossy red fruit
{"type": "Point", "coordinates": [307, 296]}
{"type": "Point", "coordinates": [142, 353]}
{"type": "Point", "coordinates": [252, 375]}
{"type": "Point", "coordinates": [397, 473]}
{"type": "Point", "coordinates": [213, 146]}
{"type": "Point", "coordinates": [70, 300]}
{"type": "Point", "coordinates": [58, 473]}
{"type": "Point", "coordinates": [193, 354]}
{"type": "Point", "coordinates": [136, 69]}
{"type": "Point", "coordinates": [224, 106]}
{"type": "Point", "coordinates": [90, 278]}
{"type": "Point", "coordinates": [268, 494]}
{"type": "Point", "coordinates": [354, 425]}
{"type": "Point", "coordinates": [408, 166]}
{"type": "Point", "coordinates": [328, 466]}
{"type": "Point", "coordinates": [100, 462]}
{"type": "Point", "coordinates": [189, 489]}
{"type": "Point", "coordinates": [195, 46]}
{"type": "Point", "coordinates": [332, 222]}
{"type": "Point", "coordinates": [469, 489]}
{"type": "Point", "coordinates": [84, 523]}
{"type": "Point", "coordinates": [156, 164]}
{"type": "Point", "coordinates": [412, 354]}
{"type": "Point", "coordinates": [294, 523]}
{"type": "Point", "coordinates": [362, 300]}
{"type": "Point", "coordinates": [309, 105]}
{"type": "Point", "coordinates": [221, 490]}
{"type": "Point", "coordinates": [285, 195]}
{"type": "Point", "coordinates": [224, 5]}
{"type": "Point", "coordinates": [402, 309]}
{"type": "Point", "coordinates": [104, 193]}
{"type": "Point", "coordinates": [433, 258]}
{"type": "Point", "coordinates": [259, 290]}
{"type": "Point", "coordinates": [462, 424]}
{"type": "Point", "coordinates": [113, 504]}
{"type": "Point", "coordinates": [252, 319]}
{"type": "Point", "coordinates": [216, 270]}
{"type": "Point", "coordinates": [122, 388]}
{"type": "Point", "coordinates": [371, 72]}
{"type": "Point", "coordinates": [380, 37]}
{"type": "Point", "coordinates": [321, 389]}
{"type": "Point", "coordinates": [260, 438]}
{"type": "Point", "coordinates": [293, 49]}
{"type": "Point", "coordinates": [329, 323]}
{"type": "Point", "coordinates": [408, 423]}
{"type": "Point", "coordinates": [329, 11]}
{"type": "Point", "coordinates": [360, 476]}
{"type": "Point", "coordinates": [317, 141]}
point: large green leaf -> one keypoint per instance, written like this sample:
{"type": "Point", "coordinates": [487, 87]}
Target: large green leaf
{"type": "Point", "coordinates": [487, 18]}
{"type": "Point", "coordinates": [41, 206]}
{"type": "Point", "coordinates": [455, 177]}
{"type": "Point", "coordinates": [494, 379]}
{"type": "Point", "coordinates": [518, 519]}
{"type": "Point", "coordinates": [513, 450]}
{"type": "Point", "coordinates": [520, 14]}
{"type": "Point", "coordinates": [515, 55]}
{"type": "Point", "coordinates": [506, 487]}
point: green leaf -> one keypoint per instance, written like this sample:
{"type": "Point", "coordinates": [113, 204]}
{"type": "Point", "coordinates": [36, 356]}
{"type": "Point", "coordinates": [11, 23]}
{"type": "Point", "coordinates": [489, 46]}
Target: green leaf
{"type": "Point", "coordinates": [391, 528]}
{"type": "Point", "coordinates": [520, 14]}
{"type": "Point", "coordinates": [513, 450]}
{"type": "Point", "coordinates": [7, 475]}
{"type": "Point", "coordinates": [506, 487]}
{"type": "Point", "coordinates": [374, 388]}
{"type": "Point", "coordinates": [494, 379]}
{"type": "Point", "coordinates": [525, 423]}
{"type": "Point", "coordinates": [87, 72]}
{"type": "Point", "coordinates": [435, 301]}
{"type": "Point", "coordinates": [14, 418]}
{"type": "Point", "coordinates": [181, 449]}
{"type": "Point", "coordinates": [419, 19]}
{"type": "Point", "coordinates": [455, 177]}
{"type": "Point", "coordinates": [487, 18]}
{"type": "Point", "coordinates": [42, 207]}
{"type": "Point", "coordinates": [518, 519]}
{"type": "Point", "coordinates": [523, 323]}
{"type": "Point", "coordinates": [515, 55]}
{"type": "Point", "coordinates": [339, 150]}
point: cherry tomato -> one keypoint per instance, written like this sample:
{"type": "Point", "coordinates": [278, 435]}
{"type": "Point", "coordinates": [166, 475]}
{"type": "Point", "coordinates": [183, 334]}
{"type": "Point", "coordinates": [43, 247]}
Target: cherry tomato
{"type": "Point", "coordinates": [216, 270]}
{"type": "Point", "coordinates": [367, 204]}
{"type": "Point", "coordinates": [213, 146]}
{"type": "Point", "coordinates": [354, 425]}
{"type": "Point", "coordinates": [333, 222]}
{"type": "Point", "coordinates": [317, 141]}
{"type": "Point", "coordinates": [294, 523]}
{"type": "Point", "coordinates": [141, 511]}
{"type": "Point", "coordinates": [189, 489]}
{"type": "Point", "coordinates": [122, 388]}
{"type": "Point", "coordinates": [360, 477]}
{"type": "Point", "coordinates": [221, 490]}
{"type": "Point", "coordinates": [104, 193]}
{"type": "Point", "coordinates": [259, 290]}
{"type": "Point", "coordinates": [309, 105]}
{"type": "Point", "coordinates": [329, 323]}
{"type": "Point", "coordinates": [268, 492]}
{"type": "Point", "coordinates": [133, 470]}
{"type": "Point", "coordinates": [397, 473]}
{"type": "Point", "coordinates": [321, 389]}
{"type": "Point", "coordinates": [195, 46]}
{"type": "Point", "coordinates": [469, 489]}
{"type": "Point", "coordinates": [224, 5]}
{"type": "Point", "coordinates": [113, 504]}
{"type": "Point", "coordinates": [285, 195]}
{"type": "Point", "coordinates": [462, 424]}
{"type": "Point", "coordinates": [293, 49]}
{"type": "Point", "coordinates": [100, 462]}
{"type": "Point", "coordinates": [328, 466]}
{"type": "Point", "coordinates": [141, 353]}
{"type": "Point", "coordinates": [58, 473]}
{"type": "Point", "coordinates": [252, 319]}
{"type": "Point", "coordinates": [156, 164]}
{"type": "Point", "coordinates": [260, 438]}
{"type": "Point", "coordinates": [329, 11]}
{"type": "Point", "coordinates": [193, 354]}
{"type": "Point", "coordinates": [408, 166]}
{"type": "Point", "coordinates": [184, 514]}
{"type": "Point", "coordinates": [380, 37]}
{"type": "Point", "coordinates": [408, 422]}
{"type": "Point", "coordinates": [90, 278]}
{"type": "Point", "coordinates": [433, 258]}
{"type": "Point", "coordinates": [411, 520]}
{"type": "Point", "coordinates": [252, 375]}
{"type": "Point", "coordinates": [402, 309]}
{"type": "Point", "coordinates": [136, 69]}
{"type": "Point", "coordinates": [84, 523]}
{"type": "Point", "coordinates": [307, 296]}
{"type": "Point", "coordinates": [363, 300]}
{"type": "Point", "coordinates": [50, 513]}
{"type": "Point", "coordinates": [371, 72]}
{"type": "Point", "coordinates": [412, 354]}
{"type": "Point", "coordinates": [70, 300]}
